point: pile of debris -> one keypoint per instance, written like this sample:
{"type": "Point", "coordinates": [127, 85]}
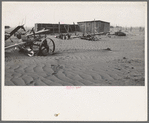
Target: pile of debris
{"type": "Point", "coordinates": [90, 37]}
{"type": "Point", "coordinates": [64, 36]}
{"type": "Point", "coordinates": [119, 33]}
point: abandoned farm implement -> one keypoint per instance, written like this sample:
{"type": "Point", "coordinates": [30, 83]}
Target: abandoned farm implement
{"type": "Point", "coordinates": [33, 43]}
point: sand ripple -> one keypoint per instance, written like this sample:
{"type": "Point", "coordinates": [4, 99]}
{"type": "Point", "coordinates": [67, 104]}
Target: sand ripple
{"type": "Point", "coordinates": [80, 63]}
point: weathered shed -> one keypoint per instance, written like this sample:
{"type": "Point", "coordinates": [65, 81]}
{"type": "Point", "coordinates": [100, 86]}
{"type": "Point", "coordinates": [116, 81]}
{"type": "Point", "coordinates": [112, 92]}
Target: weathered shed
{"type": "Point", "coordinates": [57, 28]}
{"type": "Point", "coordinates": [95, 26]}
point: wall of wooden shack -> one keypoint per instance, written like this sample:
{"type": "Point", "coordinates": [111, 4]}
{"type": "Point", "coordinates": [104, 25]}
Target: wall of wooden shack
{"type": "Point", "coordinates": [94, 27]}
{"type": "Point", "coordinates": [54, 28]}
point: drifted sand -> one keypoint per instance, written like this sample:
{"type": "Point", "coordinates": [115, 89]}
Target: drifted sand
{"type": "Point", "coordinates": [78, 62]}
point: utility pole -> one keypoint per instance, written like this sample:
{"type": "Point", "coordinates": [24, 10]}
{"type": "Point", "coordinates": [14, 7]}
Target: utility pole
{"type": "Point", "coordinates": [75, 27]}
{"type": "Point", "coordinates": [94, 26]}
{"type": "Point", "coordinates": [59, 27]}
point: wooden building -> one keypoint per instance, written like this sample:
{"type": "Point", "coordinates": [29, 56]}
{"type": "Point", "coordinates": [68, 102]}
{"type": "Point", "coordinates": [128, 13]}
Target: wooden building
{"type": "Point", "coordinates": [57, 28]}
{"type": "Point", "coordinates": [95, 26]}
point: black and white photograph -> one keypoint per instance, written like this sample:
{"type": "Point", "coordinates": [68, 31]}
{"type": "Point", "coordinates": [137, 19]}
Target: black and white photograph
{"type": "Point", "coordinates": [79, 46]}
{"type": "Point", "coordinates": [68, 44]}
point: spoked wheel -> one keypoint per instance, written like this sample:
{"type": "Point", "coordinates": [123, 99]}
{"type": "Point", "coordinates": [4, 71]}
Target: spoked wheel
{"type": "Point", "coordinates": [47, 47]}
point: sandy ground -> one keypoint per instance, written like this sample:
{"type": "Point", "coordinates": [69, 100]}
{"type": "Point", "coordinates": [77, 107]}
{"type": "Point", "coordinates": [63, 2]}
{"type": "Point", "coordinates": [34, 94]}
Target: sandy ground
{"type": "Point", "coordinates": [78, 62]}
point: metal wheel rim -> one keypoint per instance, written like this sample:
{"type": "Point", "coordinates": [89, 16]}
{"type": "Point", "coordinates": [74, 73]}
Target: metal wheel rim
{"type": "Point", "coordinates": [51, 45]}
{"type": "Point", "coordinates": [47, 47]}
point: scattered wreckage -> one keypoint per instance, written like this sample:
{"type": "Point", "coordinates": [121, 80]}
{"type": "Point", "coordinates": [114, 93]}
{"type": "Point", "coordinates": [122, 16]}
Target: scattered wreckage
{"type": "Point", "coordinates": [89, 37]}
{"type": "Point", "coordinates": [34, 43]}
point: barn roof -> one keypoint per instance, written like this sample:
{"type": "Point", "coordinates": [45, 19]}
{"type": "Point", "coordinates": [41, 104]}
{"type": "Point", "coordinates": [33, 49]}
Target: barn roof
{"type": "Point", "coordinates": [53, 24]}
{"type": "Point", "coordinates": [93, 21]}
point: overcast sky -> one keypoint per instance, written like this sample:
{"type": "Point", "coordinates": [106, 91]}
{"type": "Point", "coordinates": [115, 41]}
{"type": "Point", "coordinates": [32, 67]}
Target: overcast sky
{"type": "Point", "coordinates": [117, 13]}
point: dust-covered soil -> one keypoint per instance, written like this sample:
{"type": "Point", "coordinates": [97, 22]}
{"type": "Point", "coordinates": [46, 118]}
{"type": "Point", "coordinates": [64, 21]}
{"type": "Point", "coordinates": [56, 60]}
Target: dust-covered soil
{"type": "Point", "coordinates": [111, 61]}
